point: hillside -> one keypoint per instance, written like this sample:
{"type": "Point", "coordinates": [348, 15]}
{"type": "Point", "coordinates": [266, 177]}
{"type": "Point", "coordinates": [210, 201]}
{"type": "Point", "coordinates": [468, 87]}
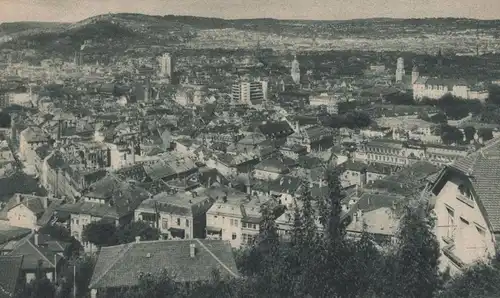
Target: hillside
{"type": "Point", "coordinates": [118, 32]}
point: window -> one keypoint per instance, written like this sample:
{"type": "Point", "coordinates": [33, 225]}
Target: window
{"type": "Point", "coordinates": [178, 221]}
{"type": "Point", "coordinates": [164, 224]}
{"type": "Point", "coordinates": [243, 224]}
{"type": "Point", "coordinates": [234, 236]}
{"type": "Point", "coordinates": [464, 221]}
{"type": "Point", "coordinates": [231, 222]}
{"type": "Point", "coordinates": [236, 223]}
{"type": "Point", "coordinates": [480, 230]}
{"type": "Point", "coordinates": [187, 222]}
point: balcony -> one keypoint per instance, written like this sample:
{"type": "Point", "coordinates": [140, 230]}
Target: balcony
{"type": "Point", "coordinates": [448, 252]}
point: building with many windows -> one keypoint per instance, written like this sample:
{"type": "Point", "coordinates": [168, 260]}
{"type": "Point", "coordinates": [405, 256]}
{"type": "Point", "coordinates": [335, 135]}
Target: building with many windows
{"type": "Point", "coordinates": [248, 93]}
{"type": "Point", "coordinates": [464, 198]}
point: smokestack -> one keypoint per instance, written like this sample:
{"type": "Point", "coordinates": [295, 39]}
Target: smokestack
{"type": "Point", "coordinates": [137, 239]}
{"type": "Point", "coordinates": [192, 250]}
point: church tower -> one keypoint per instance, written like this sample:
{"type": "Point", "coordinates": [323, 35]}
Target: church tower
{"type": "Point", "coordinates": [400, 70]}
{"type": "Point", "coordinates": [414, 74]}
{"type": "Point", "coordinates": [295, 71]}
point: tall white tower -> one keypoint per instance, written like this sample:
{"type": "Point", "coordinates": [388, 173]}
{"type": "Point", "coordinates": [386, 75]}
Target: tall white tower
{"type": "Point", "coordinates": [400, 70]}
{"type": "Point", "coordinates": [265, 90]}
{"type": "Point", "coordinates": [295, 71]}
{"type": "Point", "coordinates": [414, 74]}
{"type": "Point", "coordinates": [166, 65]}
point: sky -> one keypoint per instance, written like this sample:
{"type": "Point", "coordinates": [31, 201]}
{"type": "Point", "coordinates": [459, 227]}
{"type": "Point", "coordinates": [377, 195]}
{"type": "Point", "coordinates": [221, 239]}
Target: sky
{"type": "Point", "coordinates": [76, 10]}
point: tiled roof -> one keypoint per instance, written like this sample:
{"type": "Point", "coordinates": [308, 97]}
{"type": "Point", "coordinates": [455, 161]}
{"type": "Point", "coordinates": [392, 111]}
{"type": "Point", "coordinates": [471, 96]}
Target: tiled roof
{"type": "Point", "coordinates": [272, 165]}
{"type": "Point", "coordinates": [34, 134]}
{"type": "Point", "coordinates": [33, 254]}
{"type": "Point", "coordinates": [286, 184]}
{"type": "Point", "coordinates": [483, 169]}
{"type": "Point", "coordinates": [8, 282]}
{"type": "Point", "coordinates": [121, 266]}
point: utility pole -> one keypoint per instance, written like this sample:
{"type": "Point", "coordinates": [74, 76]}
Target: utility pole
{"type": "Point", "coordinates": [74, 280]}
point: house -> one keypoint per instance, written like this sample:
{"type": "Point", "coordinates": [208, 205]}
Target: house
{"type": "Point", "coordinates": [270, 169]}
{"type": "Point", "coordinates": [276, 130]}
{"type": "Point", "coordinates": [354, 173]}
{"type": "Point", "coordinates": [187, 261]}
{"type": "Point", "coordinates": [234, 216]}
{"type": "Point", "coordinates": [376, 214]}
{"type": "Point", "coordinates": [108, 199]}
{"type": "Point", "coordinates": [25, 211]}
{"type": "Point", "coordinates": [180, 215]}
{"type": "Point", "coordinates": [13, 281]}
{"type": "Point", "coordinates": [465, 202]}
{"type": "Point", "coordinates": [29, 140]}
{"type": "Point", "coordinates": [41, 252]}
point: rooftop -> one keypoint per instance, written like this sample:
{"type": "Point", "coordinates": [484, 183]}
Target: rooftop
{"type": "Point", "coordinates": [122, 265]}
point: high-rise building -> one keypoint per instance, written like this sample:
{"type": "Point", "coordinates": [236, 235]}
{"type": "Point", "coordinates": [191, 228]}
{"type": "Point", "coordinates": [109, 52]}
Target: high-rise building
{"type": "Point", "coordinates": [265, 90]}
{"type": "Point", "coordinates": [249, 93]}
{"type": "Point", "coordinates": [295, 70]}
{"type": "Point", "coordinates": [4, 100]}
{"type": "Point", "coordinates": [400, 70]}
{"type": "Point", "coordinates": [167, 66]}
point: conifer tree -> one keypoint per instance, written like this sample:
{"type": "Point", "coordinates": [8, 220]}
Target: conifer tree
{"type": "Point", "coordinates": [416, 272]}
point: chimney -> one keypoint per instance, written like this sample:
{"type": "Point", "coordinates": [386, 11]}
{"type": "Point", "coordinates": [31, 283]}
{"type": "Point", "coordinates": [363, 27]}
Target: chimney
{"type": "Point", "coordinates": [137, 239]}
{"type": "Point", "coordinates": [192, 250]}
{"type": "Point", "coordinates": [36, 239]}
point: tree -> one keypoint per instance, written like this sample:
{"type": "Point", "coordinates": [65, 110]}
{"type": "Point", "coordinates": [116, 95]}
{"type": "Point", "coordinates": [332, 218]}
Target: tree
{"type": "Point", "coordinates": [451, 135]}
{"type": "Point", "coordinates": [331, 207]}
{"type": "Point", "coordinates": [469, 133]}
{"type": "Point", "coordinates": [485, 133]}
{"type": "Point", "coordinates": [5, 119]}
{"type": "Point", "coordinates": [128, 232]}
{"type": "Point", "coordinates": [100, 233]}
{"type": "Point", "coordinates": [481, 280]}
{"type": "Point", "coordinates": [494, 95]}
{"type": "Point", "coordinates": [416, 272]}
{"type": "Point", "coordinates": [40, 287]}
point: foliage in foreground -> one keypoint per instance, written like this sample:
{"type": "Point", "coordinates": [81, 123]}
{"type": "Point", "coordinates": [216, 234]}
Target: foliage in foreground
{"type": "Point", "coordinates": [327, 263]}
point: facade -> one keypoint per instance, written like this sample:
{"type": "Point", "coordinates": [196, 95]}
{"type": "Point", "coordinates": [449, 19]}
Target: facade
{"type": "Point", "coordinates": [330, 102]}
{"type": "Point", "coordinates": [234, 217]}
{"type": "Point", "coordinates": [249, 93]}
{"type": "Point", "coordinates": [465, 201]}
{"type": "Point", "coordinates": [435, 88]}
{"type": "Point", "coordinates": [29, 140]}
{"type": "Point", "coordinates": [27, 211]}
{"type": "Point", "coordinates": [400, 70]}
{"type": "Point", "coordinates": [295, 71]}
{"type": "Point", "coordinates": [177, 216]}
{"type": "Point", "coordinates": [167, 66]}
{"type": "Point", "coordinates": [403, 153]}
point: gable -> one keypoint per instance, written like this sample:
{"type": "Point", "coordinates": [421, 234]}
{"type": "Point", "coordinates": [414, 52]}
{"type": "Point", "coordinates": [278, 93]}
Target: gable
{"type": "Point", "coordinates": [464, 191]}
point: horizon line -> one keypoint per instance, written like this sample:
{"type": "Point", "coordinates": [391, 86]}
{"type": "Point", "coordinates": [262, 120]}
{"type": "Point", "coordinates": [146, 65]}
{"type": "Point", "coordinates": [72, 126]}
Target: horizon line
{"type": "Point", "coordinates": [254, 19]}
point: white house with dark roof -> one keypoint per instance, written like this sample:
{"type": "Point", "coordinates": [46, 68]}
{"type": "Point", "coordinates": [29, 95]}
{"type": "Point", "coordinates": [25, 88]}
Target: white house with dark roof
{"type": "Point", "coordinates": [185, 261]}
{"type": "Point", "coordinates": [26, 210]}
{"type": "Point", "coordinates": [180, 215]}
{"type": "Point", "coordinates": [110, 199]}
{"type": "Point", "coordinates": [466, 203]}
{"type": "Point", "coordinates": [435, 88]}
{"type": "Point", "coordinates": [234, 216]}
{"type": "Point", "coordinates": [29, 140]}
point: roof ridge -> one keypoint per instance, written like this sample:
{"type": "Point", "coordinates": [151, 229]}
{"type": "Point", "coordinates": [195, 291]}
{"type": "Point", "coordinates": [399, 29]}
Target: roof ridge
{"type": "Point", "coordinates": [216, 258]}
{"type": "Point", "coordinates": [121, 254]}
{"type": "Point", "coordinates": [45, 257]}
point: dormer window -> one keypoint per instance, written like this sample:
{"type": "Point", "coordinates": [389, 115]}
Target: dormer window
{"type": "Point", "coordinates": [465, 195]}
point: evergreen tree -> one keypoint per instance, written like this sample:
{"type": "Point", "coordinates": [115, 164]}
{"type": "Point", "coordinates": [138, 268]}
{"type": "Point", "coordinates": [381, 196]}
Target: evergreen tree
{"type": "Point", "coordinates": [480, 281]}
{"type": "Point", "coordinates": [417, 254]}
